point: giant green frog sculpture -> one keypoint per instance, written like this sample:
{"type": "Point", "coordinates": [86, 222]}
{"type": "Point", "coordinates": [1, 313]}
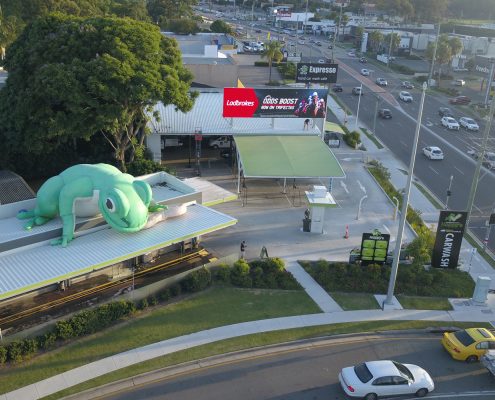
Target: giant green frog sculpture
{"type": "Point", "coordinates": [86, 190]}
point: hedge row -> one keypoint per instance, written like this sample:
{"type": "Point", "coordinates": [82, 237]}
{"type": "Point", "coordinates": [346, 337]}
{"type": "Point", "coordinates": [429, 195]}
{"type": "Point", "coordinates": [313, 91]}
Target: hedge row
{"type": "Point", "coordinates": [411, 280]}
{"type": "Point", "coordinates": [351, 138]}
{"type": "Point", "coordinates": [263, 274]}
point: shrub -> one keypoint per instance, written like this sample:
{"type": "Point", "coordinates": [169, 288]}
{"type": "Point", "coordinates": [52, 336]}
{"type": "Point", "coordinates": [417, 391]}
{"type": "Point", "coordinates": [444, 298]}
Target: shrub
{"type": "Point", "coordinates": [175, 290]}
{"type": "Point", "coordinates": [239, 275]}
{"type": "Point", "coordinates": [63, 330]}
{"type": "Point", "coordinates": [222, 273]}
{"type": "Point", "coordinates": [14, 351]}
{"type": "Point", "coordinates": [3, 355]}
{"type": "Point", "coordinates": [403, 69]}
{"type": "Point", "coordinates": [353, 139]}
{"type": "Point", "coordinates": [47, 341]}
{"type": "Point", "coordinates": [152, 300]}
{"type": "Point", "coordinates": [197, 280]}
{"type": "Point", "coordinates": [165, 295]}
{"type": "Point", "coordinates": [29, 347]}
{"type": "Point", "coordinates": [143, 304]}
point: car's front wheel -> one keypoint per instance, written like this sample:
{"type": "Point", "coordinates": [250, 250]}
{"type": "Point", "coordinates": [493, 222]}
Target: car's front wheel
{"type": "Point", "coordinates": [422, 392]}
{"type": "Point", "coordinates": [371, 396]}
{"type": "Point", "coordinates": [472, 359]}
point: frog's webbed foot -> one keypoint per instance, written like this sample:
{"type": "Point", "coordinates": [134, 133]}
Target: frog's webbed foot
{"type": "Point", "coordinates": [64, 240]}
{"type": "Point", "coordinates": [25, 214]}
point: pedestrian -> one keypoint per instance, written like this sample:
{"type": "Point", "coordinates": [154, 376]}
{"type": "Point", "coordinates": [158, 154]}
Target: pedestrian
{"type": "Point", "coordinates": [306, 124]}
{"type": "Point", "coordinates": [243, 249]}
{"type": "Point", "coordinates": [264, 253]}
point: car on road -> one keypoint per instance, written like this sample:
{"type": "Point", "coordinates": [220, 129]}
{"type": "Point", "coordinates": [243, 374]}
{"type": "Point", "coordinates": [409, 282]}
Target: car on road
{"type": "Point", "coordinates": [381, 82]}
{"type": "Point", "coordinates": [459, 82]}
{"type": "Point", "coordinates": [450, 123]}
{"type": "Point", "coordinates": [321, 61]}
{"type": "Point", "coordinates": [469, 124]}
{"type": "Point", "coordinates": [460, 100]}
{"type": "Point", "coordinates": [337, 87]}
{"type": "Point", "coordinates": [365, 72]}
{"type": "Point", "coordinates": [363, 60]}
{"type": "Point", "coordinates": [407, 85]}
{"type": "Point", "coordinates": [300, 41]}
{"type": "Point", "coordinates": [330, 46]}
{"type": "Point", "coordinates": [318, 43]}
{"type": "Point", "coordinates": [405, 96]}
{"type": "Point", "coordinates": [468, 344]}
{"type": "Point", "coordinates": [433, 152]}
{"type": "Point", "coordinates": [384, 113]}
{"type": "Point", "coordinates": [488, 158]}
{"type": "Point", "coordinates": [385, 378]}
{"type": "Point", "coordinates": [351, 54]}
{"type": "Point", "coordinates": [445, 112]}
{"type": "Point", "coordinates": [357, 91]}
{"type": "Point", "coordinates": [258, 30]}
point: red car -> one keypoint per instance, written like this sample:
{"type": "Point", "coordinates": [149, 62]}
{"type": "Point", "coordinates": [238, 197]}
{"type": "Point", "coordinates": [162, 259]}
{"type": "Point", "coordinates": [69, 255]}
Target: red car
{"type": "Point", "coordinates": [460, 100]}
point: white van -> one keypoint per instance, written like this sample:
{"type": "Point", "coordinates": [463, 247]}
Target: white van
{"type": "Point", "coordinates": [170, 142]}
{"type": "Point", "coordinates": [223, 142]}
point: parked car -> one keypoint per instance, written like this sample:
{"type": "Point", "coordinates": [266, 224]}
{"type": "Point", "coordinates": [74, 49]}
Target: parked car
{"type": "Point", "coordinates": [407, 85]}
{"type": "Point", "coordinates": [381, 82]}
{"type": "Point", "coordinates": [433, 152]}
{"type": "Point", "coordinates": [384, 113]}
{"type": "Point", "coordinates": [351, 54]}
{"type": "Point", "coordinates": [386, 378]}
{"type": "Point", "coordinates": [460, 100]}
{"type": "Point", "coordinates": [469, 124]}
{"type": "Point", "coordinates": [468, 344]}
{"type": "Point", "coordinates": [405, 96]}
{"type": "Point", "coordinates": [450, 123]}
{"type": "Point", "coordinates": [357, 91]}
{"type": "Point", "coordinates": [445, 112]}
{"type": "Point", "coordinates": [337, 87]}
{"type": "Point", "coordinates": [459, 82]}
{"type": "Point", "coordinates": [365, 72]}
{"type": "Point", "coordinates": [363, 60]}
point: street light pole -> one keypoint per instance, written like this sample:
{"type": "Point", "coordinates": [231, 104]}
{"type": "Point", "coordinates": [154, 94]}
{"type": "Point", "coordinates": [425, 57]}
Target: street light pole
{"type": "Point", "coordinates": [390, 47]}
{"type": "Point", "coordinates": [336, 32]}
{"type": "Point", "coordinates": [360, 204]}
{"type": "Point", "coordinates": [490, 80]}
{"type": "Point", "coordinates": [449, 192]}
{"type": "Point", "coordinates": [430, 75]}
{"type": "Point", "coordinates": [359, 104]}
{"type": "Point", "coordinates": [396, 209]}
{"type": "Point", "coordinates": [488, 230]}
{"type": "Point", "coordinates": [376, 112]}
{"type": "Point", "coordinates": [405, 203]}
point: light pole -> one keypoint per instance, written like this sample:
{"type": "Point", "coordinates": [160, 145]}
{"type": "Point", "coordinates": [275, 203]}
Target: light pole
{"type": "Point", "coordinates": [396, 209]}
{"type": "Point", "coordinates": [336, 32]}
{"type": "Point", "coordinates": [390, 47]}
{"type": "Point", "coordinates": [449, 192]}
{"type": "Point", "coordinates": [490, 80]}
{"type": "Point", "coordinates": [488, 230]}
{"type": "Point", "coordinates": [359, 104]}
{"type": "Point", "coordinates": [405, 203]}
{"type": "Point", "coordinates": [430, 75]}
{"type": "Point", "coordinates": [360, 203]}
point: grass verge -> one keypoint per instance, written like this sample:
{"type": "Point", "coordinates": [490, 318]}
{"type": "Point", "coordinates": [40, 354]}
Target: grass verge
{"type": "Point", "coordinates": [430, 198]}
{"type": "Point", "coordinates": [341, 104]}
{"type": "Point", "coordinates": [355, 301]}
{"type": "Point", "coordinates": [257, 340]}
{"type": "Point", "coordinates": [372, 138]}
{"type": "Point", "coordinates": [215, 307]}
{"type": "Point", "coordinates": [481, 252]}
{"type": "Point", "coordinates": [424, 303]}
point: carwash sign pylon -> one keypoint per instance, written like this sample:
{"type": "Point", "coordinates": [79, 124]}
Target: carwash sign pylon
{"type": "Point", "coordinates": [450, 230]}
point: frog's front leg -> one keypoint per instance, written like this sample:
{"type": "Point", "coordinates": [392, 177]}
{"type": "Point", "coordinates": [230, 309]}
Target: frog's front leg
{"type": "Point", "coordinates": [81, 187]}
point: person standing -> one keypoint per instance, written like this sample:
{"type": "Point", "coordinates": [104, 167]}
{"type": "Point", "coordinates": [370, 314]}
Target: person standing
{"type": "Point", "coordinates": [243, 249]}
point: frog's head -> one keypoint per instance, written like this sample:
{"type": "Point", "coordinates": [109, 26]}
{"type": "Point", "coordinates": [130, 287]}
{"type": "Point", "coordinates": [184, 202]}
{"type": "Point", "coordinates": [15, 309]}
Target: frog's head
{"type": "Point", "coordinates": [125, 206]}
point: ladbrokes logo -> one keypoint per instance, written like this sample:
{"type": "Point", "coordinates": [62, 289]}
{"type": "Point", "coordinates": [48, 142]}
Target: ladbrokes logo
{"type": "Point", "coordinates": [239, 102]}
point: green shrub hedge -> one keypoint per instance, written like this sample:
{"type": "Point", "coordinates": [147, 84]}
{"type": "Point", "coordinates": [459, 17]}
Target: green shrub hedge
{"type": "Point", "coordinates": [402, 69]}
{"type": "Point", "coordinates": [412, 280]}
{"type": "Point", "coordinates": [265, 64]}
{"type": "Point", "coordinates": [352, 139]}
{"type": "Point", "coordinates": [197, 280]}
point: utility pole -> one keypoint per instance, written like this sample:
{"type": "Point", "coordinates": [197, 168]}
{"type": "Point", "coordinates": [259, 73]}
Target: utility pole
{"type": "Point", "coordinates": [449, 192]}
{"type": "Point", "coordinates": [390, 47]}
{"type": "Point", "coordinates": [488, 230]}
{"type": "Point", "coordinates": [374, 116]}
{"type": "Point", "coordinates": [430, 75]}
{"type": "Point", "coordinates": [359, 104]}
{"type": "Point", "coordinates": [481, 156]}
{"type": "Point", "coordinates": [336, 32]}
{"type": "Point", "coordinates": [306, 19]}
{"type": "Point", "coordinates": [490, 80]}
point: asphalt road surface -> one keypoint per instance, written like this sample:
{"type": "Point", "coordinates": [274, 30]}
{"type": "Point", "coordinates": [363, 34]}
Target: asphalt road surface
{"type": "Point", "coordinates": [312, 373]}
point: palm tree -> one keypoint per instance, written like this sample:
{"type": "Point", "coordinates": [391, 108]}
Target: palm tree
{"type": "Point", "coordinates": [376, 38]}
{"type": "Point", "coordinates": [447, 49]}
{"type": "Point", "coordinates": [272, 51]}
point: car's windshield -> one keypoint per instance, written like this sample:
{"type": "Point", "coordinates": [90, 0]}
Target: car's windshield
{"type": "Point", "coordinates": [404, 371]}
{"type": "Point", "coordinates": [363, 373]}
{"type": "Point", "coordinates": [464, 337]}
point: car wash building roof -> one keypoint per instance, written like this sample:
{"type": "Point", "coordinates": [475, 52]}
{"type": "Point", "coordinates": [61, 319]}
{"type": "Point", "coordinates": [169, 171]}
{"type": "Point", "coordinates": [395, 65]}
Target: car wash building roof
{"type": "Point", "coordinates": [29, 262]}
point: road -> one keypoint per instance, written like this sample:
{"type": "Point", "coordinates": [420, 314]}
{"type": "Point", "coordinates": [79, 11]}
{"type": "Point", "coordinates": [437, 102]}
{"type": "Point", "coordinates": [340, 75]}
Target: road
{"type": "Point", "coordinates": [312, 373]}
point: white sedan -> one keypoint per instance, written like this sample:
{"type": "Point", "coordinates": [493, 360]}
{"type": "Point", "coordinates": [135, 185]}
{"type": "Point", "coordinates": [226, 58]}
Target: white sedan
{"type": "Point", "coordinates": [405, 96]}
{"type": "Point", "coordinates": [433, 152]}
{"type": "Point", "coordinates": [469, 123]}
{"type": "Point", "coordinates": [450, 123]}
{"type": "Point", "coordinates": [365, 72]}
{"type": "Point", "coordinates": [385, 378]}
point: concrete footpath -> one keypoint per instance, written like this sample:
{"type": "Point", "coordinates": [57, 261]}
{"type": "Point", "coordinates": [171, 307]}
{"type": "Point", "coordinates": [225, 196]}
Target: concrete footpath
{"type": "Point", "coordinates": [274, 219]}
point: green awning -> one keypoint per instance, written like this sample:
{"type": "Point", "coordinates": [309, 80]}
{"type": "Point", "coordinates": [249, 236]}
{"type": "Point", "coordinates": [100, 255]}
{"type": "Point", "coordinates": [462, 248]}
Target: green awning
{"type": "Point", "coordinates": [287, 157]}
{"type": "Point", "coordinates": [333, 127]}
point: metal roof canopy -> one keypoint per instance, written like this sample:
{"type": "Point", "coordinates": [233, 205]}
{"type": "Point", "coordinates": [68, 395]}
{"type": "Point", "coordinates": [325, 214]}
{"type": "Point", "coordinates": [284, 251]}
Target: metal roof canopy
{"type": "Point", "coordinates": [287, 157]}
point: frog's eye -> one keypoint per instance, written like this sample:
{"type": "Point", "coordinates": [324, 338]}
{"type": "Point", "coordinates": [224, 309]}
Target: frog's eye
{"type": "Point", "coordinates": [110, 205]}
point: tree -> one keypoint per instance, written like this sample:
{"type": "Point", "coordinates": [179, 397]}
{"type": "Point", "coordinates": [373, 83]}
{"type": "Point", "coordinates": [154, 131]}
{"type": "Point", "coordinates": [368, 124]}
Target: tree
{"type": "Point", "coordinates": [447, 49]}
{"type": "Point", "coordinates": [429, 10]}
{"type": "Point", "coordinates": [395, 38]}
{"type": "Point", "coordinates": [71, 77]}
{"type": "Point", "coordinates": [183, 26]}
{"type": "Point", "coordinates": [376, 39]}
{"type": "Point", "coordinates": [402, 8]}
{"type": "Point", "coordinates": [220, 26]}
{"type": "Point", "coordinates": [10, 27]}
{"type": "Point", "coordinates": [272, 52]}
{"type": "Point", "coordinates": [162, 10]}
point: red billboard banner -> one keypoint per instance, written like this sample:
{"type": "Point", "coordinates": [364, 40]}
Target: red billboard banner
{"type": "Point", "coordinates": [274, 103]}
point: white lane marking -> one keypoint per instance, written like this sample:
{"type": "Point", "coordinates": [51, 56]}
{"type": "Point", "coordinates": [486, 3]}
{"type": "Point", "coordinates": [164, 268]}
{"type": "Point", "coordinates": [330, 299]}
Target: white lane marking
{"type": "Point", "coordinates": [404, 144]}
{"type": "Point", "coordinates": [386, 228]}
{"type": "Point", "coordinates": [479, 209]}
{"type": "Point", "coordinates": [459, 170]}
{"type": "Point", "coordinates": [434, 170]}
{"type": "Point", "coordinates": [351, 158]}
{"type": "Point", "coordinates": [361, 186]}
{"type": "Point", "coordinates": [344, 186]}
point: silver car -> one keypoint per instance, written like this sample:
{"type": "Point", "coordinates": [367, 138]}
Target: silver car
{"type": "Point", "coordinates": [469, 124]}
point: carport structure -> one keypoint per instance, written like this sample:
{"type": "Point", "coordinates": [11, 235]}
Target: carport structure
{"type": "Point", "coordinates": [285, 157]}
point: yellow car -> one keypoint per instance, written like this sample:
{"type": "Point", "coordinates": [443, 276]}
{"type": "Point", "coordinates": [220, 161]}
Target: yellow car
{"type": "Point", "coordinates": [468, 345]}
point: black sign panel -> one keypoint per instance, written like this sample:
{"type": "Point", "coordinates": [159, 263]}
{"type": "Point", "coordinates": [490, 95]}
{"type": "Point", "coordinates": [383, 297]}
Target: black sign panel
{"type": "Point", "coordinates": [448, 241]}
{"type": "Point", "coordinates": [482, 66]}
{"type": "Point", "coordinates": [316, 73]}
{"type": "Point", "coordinates": [374, 248]}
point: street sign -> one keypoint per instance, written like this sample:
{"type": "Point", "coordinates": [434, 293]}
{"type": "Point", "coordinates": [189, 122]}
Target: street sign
{"type": "Point", "coordinates": [374, 247]}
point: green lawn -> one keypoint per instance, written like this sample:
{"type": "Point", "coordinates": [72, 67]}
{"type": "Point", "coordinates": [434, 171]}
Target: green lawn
{"type": "Point", "coordinates": [424, 303]}
{"type": "Point", "coordinates": [250, 341]}
{"type": "Point", "coordinates": [355, 301]}
{"type": "Point", "coordinates": [215, 307]}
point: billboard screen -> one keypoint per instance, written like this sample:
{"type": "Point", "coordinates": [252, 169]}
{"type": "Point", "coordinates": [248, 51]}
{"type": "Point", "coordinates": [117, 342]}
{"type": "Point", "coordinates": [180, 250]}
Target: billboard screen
{"type": "Point", "coordinates": [448, 241]}
{"type": "Point", "coordinates": [482, 66]}
{"type": "Point", "coordinates": [374, 248]}
{"type": "Point", "coordinates": [274, 103]}
{"type": "Point", "coordinates": [316, 73]}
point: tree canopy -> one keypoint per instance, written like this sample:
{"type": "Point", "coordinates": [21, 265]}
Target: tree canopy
{"type": "Point", "coordinates": [71, 77]}
{"type": "Point", "coordinates": [220, 26]}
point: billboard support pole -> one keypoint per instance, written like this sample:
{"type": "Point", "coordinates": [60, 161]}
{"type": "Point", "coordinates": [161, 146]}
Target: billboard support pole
{"type": "Point", "coordinates": [405, 203]}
